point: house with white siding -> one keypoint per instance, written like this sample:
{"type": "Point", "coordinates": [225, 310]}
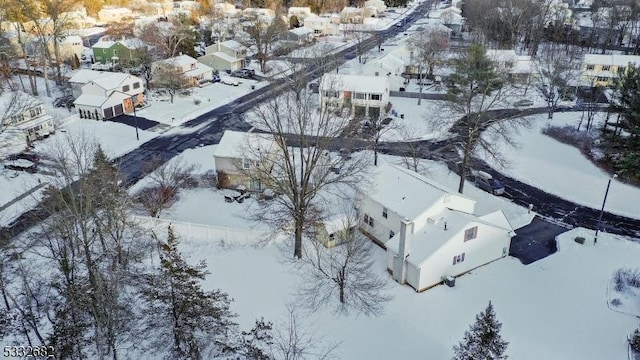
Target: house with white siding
{"type": "Point", "coordinates": [25, 116]}
{"type": "Point", "coordinates": [430, 232]}
{"type": "Point", "coordinates": [104, 95]}
{"type": "Point", "coordinates": [191, 70]}
{"type": "Point", "coordinates": [321, 26]}
{"type": "Point", "coordinates": [603, 70]}
{"type": "Point", "coordinates": [362, 95]}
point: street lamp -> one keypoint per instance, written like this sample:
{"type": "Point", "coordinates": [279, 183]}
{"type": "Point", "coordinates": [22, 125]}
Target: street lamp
{"type": "Point", "coordinates": [604, 201]}
{"type": "Point", "coordinates": [135, 116]}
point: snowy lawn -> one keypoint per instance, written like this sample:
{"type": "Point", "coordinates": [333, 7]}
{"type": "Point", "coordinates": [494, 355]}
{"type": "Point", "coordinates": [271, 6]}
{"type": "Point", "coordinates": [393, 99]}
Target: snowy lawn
{"type": "Point", "coordinates": [116, 140]}
{"type": "Point", "coordinates": [184, 108]}
{"type": "Point", "coordinates": [418, 122]}
{"type": "Point", "coordinates": [553, 309]}
{"type": "Point", "coordinates": [563, 170]}
{"type": "Point", "coordinates": [624, 291]}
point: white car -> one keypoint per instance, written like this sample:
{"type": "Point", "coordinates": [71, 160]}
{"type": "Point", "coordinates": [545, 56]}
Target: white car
{"type": "Point", "coordinates": [229, 81]}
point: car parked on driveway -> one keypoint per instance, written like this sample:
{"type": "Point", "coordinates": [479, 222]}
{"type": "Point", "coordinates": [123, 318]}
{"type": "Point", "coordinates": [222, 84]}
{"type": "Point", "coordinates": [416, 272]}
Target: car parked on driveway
{"type": "Point", "coordinates": [243, 73]}
{"type": "Point", "coordinates": [22, 165]}
{"type": "Point", "coordinates": [25, 156]}
{"type": "Point", "coordinates": [229, 81]}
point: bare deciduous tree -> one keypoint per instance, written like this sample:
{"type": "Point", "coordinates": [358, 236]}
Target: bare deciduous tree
{"type": "Point", "coordinates": [300, 167]}
{"type": "Point", "coordinates": [261, 35]}
{"type": "Point", "coordinates": [476, 87]}
{"type": "Point", "coordinates": [344, 273]}
{"type": "Point", "coordinates": [428, 46]}
{"type": "Point", "coordinates": [167, 77]}
{"type": "Point", "coordinates": [164, 183]}
{"type": "Point", "coordinates": [169, 39]}
{"type": "Point", "coordinates": [295, 341]}
{"type": "Point", "coordinates": [556, 70]}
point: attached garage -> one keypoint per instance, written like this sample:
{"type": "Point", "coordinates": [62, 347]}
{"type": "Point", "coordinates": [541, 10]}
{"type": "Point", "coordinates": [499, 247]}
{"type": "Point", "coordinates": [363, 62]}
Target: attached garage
{"type": "Point", "coordinates": [99, 108]}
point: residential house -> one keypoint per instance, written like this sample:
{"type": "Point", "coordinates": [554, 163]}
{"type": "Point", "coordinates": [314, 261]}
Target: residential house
{"type": "Point", "coordinates": [321, 26]}
{"type": "Point", "coordinates": [259, 13]}
{"type": "Point", "coordinates": [518, 67]}
{"type": "Point", "coordinates": [104, 95]}
{"type": "Point", "coordinates": [603, 70]}
{"type": "Point", "coordinates": [430, 232]}
{"type": "Point", "coordinates": [351, 15]}
{"type": "Point", "coordinates": [451, 17]}
{"type": "Point", "coordinates": [335, 230]}
{"type": "Point", "coordinates": [362, 95]}
{"type": "Point", "coordinates": [25, 116]}
{"type": "Point", "coordinates": [192, 71]}
{"type": "Point", "coordinates": [300, 35]}
{"type": "Point", "coordinates": [299, 12]}
{"type": "Point", "coordinates": [378, 5]}
{"type": "Point", "coordinates": [120, 52]}
{"type": "Point", "coordinates": [69, 46]}
{"type": "Point", "coordinates": [114, 14]}
{"type": "Point", "coordinates": [238, 153]}
{"type": "Point", "coordinates": [226, 9]}
{"type": "Point", "coordinates": [225, 55]}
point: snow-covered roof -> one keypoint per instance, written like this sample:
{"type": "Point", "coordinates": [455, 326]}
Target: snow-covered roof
{"type": "Point", "coordinates": [221, 55]}
{"type": "Point", "coordinates": [405, 192]}
{"type": "Point", "coordinates": [426, 240]}
{"type": "Point", "coordinates": [105, 79]}
{"type": "Point", "coordinates": [12, 102]}
{"type": "Point", "coordinates": [33, 122]}
{"type": "Point", "coordinates": [232, 44]}
{"type": "Point", "coordinates": [103, 43]}
{"type": "Point", "coordinates": [199, 70]}
{"type": "Point", "coordinates": [84, 76]}
{"type": "Point", "coordinates": [234, 144]}
{"type": "Point", "coordinates": [356, 83]}
{"type": "Point", "coordinates": [336, 223]}
{"type": "Point", "coordinates": [611, 59]}
{"type": "Point", "coordinates": [301, 31]}
{"type": "Point", "coordinates": [180, 60]}
{"type": "Point", "coordinates": [502, 55]}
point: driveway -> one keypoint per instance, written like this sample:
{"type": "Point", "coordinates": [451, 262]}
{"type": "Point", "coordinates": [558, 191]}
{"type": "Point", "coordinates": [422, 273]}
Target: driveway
{"type": "Point", "coordinates": [535, 241]}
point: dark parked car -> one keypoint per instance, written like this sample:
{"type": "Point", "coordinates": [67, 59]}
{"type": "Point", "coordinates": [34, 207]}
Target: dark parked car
{"type": "Point", "coordinates": [487, 183]}
{"type": "Point", "coordinates": [25, 156]}
{"type": "Point", "coordinates": [22, 165]}
{"type": "Point", "coordinates": [314, 87]}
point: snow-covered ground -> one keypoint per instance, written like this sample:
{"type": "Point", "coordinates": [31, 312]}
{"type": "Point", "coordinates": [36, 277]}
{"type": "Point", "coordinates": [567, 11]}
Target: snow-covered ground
{"type": "Point", "coordinates": [419, 122]}
{"type": "Point", "coordinates": [563, 170]}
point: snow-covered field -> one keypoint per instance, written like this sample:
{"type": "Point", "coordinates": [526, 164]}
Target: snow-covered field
{"type": "Point", "coordinates": [563, 170]}
{"type": "Point", "coordinates": [554, 309]}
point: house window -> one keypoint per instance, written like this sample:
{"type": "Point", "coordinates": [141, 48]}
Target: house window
{"type": "Point", "coordinates": [104, 51]}
{"type": "Point", "coordinates": [361, 96]}
{"type": "Point", "coordinates": [606, 67]}
{"type": "Point", "coordinates": [471, 233]}
{"type": "Point", "coordinates": [620, 69]}
{"type": "Point", "coordinates": [125, 88]}
{"type": "Point", "coordinates": [391, 234]}
{"type": "Point", "coordinates": [136, 85]}
{"type": "Point", "coordinates": [246, 163]}
{"type": "Point", "coordinates": [35, 112]}
{"type": "Point", "coordinates": [384, 212]}
{"type": "Point", "coordinates": [458, 259]}
{"type": "Point", "coordinates": [368, 220]}
{"type": "Point", "coordinates": [601, 78]}
{"type": "Point", "coordinates": [331, 94]}
{"type": "Point", "coordinates": [590, 67]}
{"type": "Point", "coordinates": [115, 52]}
{"type": "Point", "coordinates": [375, 96]}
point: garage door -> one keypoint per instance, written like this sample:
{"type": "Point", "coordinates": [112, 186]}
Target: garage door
{"type": "Point", "coordinates": [118, 109]}
{"type": "Point", "coordinates": [108, 113]}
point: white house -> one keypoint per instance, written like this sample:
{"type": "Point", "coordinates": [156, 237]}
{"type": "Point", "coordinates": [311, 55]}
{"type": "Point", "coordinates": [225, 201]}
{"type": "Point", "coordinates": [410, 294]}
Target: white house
{"type": "Point", "coordinates": [429, 231]}
{"type": "Point", "coordinates": [25, 116]}
{"type": "Point", "coordinates": [300, 35]}
{"type": "Point", "coordinates": [104, 95]}
{"type": "Point", "coordinates": [225, 55]}
{"type": "Point", "coordinates": [379, 5]}
{"type": "Point", "coordinates": [239, 152]}
{"type": "Point", "coordinates": [362, 95]}
{"type": "Point", "coordinates": [113, 14]}
{"type": "Point", "coordinates": [321, 26]}
{"type": "Point", "coordinates": [299, 12]}
{"type": "Point", "coordinates": [191, 70]}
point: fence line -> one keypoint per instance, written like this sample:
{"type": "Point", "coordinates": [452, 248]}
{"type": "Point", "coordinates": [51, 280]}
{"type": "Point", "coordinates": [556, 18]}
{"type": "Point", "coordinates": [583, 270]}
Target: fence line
{"type": "Point", "coordinates": [201, 231]}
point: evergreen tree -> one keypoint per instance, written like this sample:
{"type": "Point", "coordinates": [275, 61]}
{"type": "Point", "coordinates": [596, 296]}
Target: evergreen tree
{"type": "Point", "coordinates": [635, 340]}
{"type": "Point", "coordinates": [184, 321]}
{"type": "Point", "coordinates": [627, 104]}
{"type": "Point", "coordinates": [482, 341]}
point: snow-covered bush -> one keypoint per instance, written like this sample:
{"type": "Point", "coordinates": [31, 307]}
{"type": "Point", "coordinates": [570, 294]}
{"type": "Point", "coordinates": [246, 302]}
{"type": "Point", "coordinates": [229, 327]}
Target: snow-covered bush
{"type": "Point", "coordinates": [616, 302]}
{"type": "Point", "coordinates": [625, 277]}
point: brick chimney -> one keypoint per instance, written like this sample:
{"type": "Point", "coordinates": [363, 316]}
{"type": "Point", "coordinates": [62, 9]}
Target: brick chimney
{"type": "Point", "coordinates": [404, 249]}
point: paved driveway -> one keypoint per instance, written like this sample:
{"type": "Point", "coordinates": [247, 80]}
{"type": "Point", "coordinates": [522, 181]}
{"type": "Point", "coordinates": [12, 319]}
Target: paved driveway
{"type": "Point", "coordinates": [535, 241]}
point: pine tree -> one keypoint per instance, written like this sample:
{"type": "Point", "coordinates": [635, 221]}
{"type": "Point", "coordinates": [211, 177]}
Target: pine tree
{"type": "Point", "coordinates": [482, 341]}
{"type": "Point", "coordinates": [635, 340]}
{"type": "Point", "coordinates": [184, 320]}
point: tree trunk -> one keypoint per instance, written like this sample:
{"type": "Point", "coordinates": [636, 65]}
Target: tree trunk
{"type": "Point", "coordinates": [464, 166]}
{"type": "Point", "coordinates": [297, 248]}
